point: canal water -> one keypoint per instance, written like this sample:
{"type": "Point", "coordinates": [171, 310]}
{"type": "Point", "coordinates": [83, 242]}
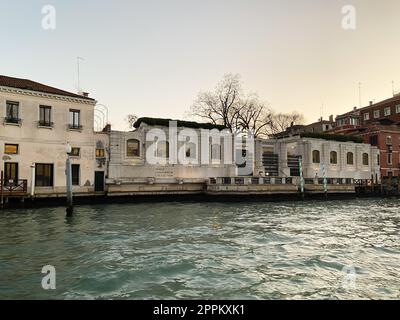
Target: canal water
{"type": "Point", "coordinates": [300, 250]}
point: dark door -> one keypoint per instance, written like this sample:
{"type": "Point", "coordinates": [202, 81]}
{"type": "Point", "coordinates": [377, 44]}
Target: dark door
{"type": "Point", "coordinates": [10, 173]}
{"type": "Point", "coordinates": [99, 181]}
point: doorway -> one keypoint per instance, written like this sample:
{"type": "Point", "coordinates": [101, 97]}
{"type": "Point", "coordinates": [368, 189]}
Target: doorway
{"type": "Point", "coordinates": [99, 181]}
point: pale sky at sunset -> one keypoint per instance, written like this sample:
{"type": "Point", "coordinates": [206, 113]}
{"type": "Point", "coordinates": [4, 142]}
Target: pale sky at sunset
{"type": "Point", "coordinates": [151, 58]}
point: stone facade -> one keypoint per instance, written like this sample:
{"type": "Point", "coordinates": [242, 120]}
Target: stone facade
{"type": "Point", "coordinates": [34, 140]}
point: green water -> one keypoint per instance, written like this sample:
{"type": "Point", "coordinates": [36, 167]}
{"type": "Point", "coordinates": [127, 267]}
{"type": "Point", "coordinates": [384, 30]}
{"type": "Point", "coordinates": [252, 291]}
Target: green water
{"type": "Point", "coordinates": [204, 250]}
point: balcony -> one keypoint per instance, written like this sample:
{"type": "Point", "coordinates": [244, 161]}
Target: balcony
{"type": "Point", "coordinates": [14, 188]}
{"type": "Point", "coordinates": [13, 121]}
{"type": "Point", "coordinates": [45, 124]}
{"type": "Point", "coordinates": [76, 127]}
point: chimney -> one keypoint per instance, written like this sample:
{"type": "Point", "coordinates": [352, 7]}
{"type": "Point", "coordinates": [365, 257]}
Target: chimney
{"type": "Point", "coordinates": [331, 118]}
{"type": "Point", "coordinates": [371, 103]}
{"type": "Point", "coordinates": [83, 94]}
{"type": "Point", "coordinates": [355, 108]}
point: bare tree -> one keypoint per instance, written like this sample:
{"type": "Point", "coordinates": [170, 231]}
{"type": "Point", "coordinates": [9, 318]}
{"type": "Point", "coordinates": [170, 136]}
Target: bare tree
{"type": "Point", "coordinates": [223, 104]}
{"type": "Point", "coordinates": [281, 121]}
{"type": "Point", "coordinates": [254, 116]}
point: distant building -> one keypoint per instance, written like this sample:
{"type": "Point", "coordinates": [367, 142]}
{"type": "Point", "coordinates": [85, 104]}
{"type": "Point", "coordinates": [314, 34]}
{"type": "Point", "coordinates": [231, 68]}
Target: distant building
{"type": "Point", "coordinates": [321, 126]}
{"type": "Point", "coordinates": [38, 123]}
{"type": "Point", "coordinates": [379, 125]}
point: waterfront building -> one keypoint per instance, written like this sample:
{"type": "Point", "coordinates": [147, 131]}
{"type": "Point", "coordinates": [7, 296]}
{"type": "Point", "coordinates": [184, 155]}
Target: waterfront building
{"type": "Point", "coordinates": [38, 122]}
{"type": "Point", "coordinates": [379, 125]}
{"type": "Point", "coordinates": [320, 158]}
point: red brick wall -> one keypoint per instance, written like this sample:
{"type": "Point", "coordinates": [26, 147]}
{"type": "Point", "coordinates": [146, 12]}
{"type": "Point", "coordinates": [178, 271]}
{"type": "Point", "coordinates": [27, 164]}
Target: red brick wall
{"type": "Point", "coordinates": [394, 115]}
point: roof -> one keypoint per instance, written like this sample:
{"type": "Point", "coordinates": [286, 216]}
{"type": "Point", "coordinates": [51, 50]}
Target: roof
{"type": "Point", "coordinates": [187, 124]}
{"type": "Point", "coordinates": [30, 85]}
{"type": "Point", "coordinates": [395, 98]}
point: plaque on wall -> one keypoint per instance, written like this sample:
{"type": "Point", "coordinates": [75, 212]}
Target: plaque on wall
{"type": "Point", "coordinates": [164, 172]}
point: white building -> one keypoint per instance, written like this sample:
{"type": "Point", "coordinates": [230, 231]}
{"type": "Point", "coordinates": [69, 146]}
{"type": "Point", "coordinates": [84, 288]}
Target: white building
{"type": "Point", "coordinates": [37, 123]}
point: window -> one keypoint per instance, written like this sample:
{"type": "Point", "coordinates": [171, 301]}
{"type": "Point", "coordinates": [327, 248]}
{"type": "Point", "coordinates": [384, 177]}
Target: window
{"type": "Point", "coordinates": [316, 156]}
{"type": "Point", "coordinates": [190, 150]}
{"type": "Point", "coordinates": [75, 170]}
{"type": "Point", "coordinates": [333, 157]}
{"type": "Point", "coordinates": [12, 112]}
{"type": "Point", "coordinates": [133, 148]}
{"type": "Point", "coordinates": [390, 158]}
{"type": "Point", "coordinates": [373, 140]}
{"type": "Point", "coordinates": [11, 148]}
{"type": "Point", "coordinates": [386, 112]}
{"type": "Point", "coordinates": [100, 153]}
{"type": "Point", "coordinates": [44, 175]}
{"type": "Point", "coordinates": [162, 150]}
{"type": "Point", "coordinates": [10, 173]}
{"type": "Point", "coordinates": [366, 116]}
{"type": "Point", "coordinates": [45, 116]}
{"type": "Point", "coordinates": [377, 114]}
{"type": "Point", "coordinates": [350, 158]}
{"type": "Point", "coordinates": [75, 152]}
{"type": "Point", "coordinates": [215, 152]}
{"type": "Point", "coordinates": [75, 119]}
{"type": "Point", "coordinates": [365, 158]}
{"type": "Point", "coordinates": [378, 160]}
{"type": "Point", "coordinates": [389, 140]}
{"type": "Point", "coordinates": [398, 108]}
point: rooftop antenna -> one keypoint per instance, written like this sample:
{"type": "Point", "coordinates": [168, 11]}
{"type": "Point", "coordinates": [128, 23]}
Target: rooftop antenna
{"type": "Point", "coordinates": [393, 88]}
{"type": "Point", "coordinates": [78, 60]}
{"type": "Point", "coordinates": [359, 93]}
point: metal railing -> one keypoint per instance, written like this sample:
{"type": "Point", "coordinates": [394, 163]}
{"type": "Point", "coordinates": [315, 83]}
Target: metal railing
{"type": "Point", "coordinates": [279, 180]}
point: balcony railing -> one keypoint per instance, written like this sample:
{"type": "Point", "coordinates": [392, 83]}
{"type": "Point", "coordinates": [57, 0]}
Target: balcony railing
{"type": "Point", "coordinates": [75, 127]}
{"type": "Point", "coordinates": [12, 120]}
{"type": "Point", "coordinates": [10, 188]}
{"type": "Point", "coordinates": [45, 124]}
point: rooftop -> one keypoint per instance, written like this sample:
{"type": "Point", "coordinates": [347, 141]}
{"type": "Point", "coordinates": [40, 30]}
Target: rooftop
{"type": "Point", "coordinates": [180, 123]}
{"type": "Point", "coordinates": [30, 85]}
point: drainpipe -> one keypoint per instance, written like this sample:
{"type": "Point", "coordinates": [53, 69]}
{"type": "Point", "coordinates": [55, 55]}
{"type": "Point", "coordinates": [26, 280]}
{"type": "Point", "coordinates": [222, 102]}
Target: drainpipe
{"type": "Point", "coordinates": [32, 180]}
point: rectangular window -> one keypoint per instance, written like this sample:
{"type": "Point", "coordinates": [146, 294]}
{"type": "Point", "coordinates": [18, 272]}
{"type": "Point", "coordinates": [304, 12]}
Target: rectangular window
{"type": "Point", "coordinates": [11, 148]}
{"type": "Point", "coordinates": [100, 153]}
{"type": "Point", "coordinates": [75, 172]}
{"type": "Point", "coordinates": [75, 152]}
{"type": "Point", "coordinates": [390, 158]}
{"type": "Point", "coordinates": [373, 140]}
{"type": "Point", "coordinates": [10, 173]}
{"type": "Point", "coordinates": [45, 116]}
{"type": "Point", "coordinates": [12, 112]}
{"type": "Point", "coordinates": [398, 108]}
{"type": "Point", "coordinates": [387, 111]}
{"type": "Point", "coordinates": [377, 114]}
{"type": "Point", "coordinates": [366, 116]}
{"type": "Point", "coordinates": [75, 119]}
{"type": "Point", "coordinates": [44, 175]}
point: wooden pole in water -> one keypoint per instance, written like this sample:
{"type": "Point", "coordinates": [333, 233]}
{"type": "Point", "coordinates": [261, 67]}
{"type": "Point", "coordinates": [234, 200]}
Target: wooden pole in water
{"type": "Point", "coordinates": [1, 189]}
{"type": "Point", "coordinates": [68, 173]}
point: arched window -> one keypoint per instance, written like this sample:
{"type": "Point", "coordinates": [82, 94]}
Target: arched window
{"type": "Point", "coordinates": [350, 158]}
{"type": "Point", "coordinates": [162, 149]}
{"type": "Point", "coordinates": [316, 156]}
{"type": "Point", "coordinates": [333, 157]}
{"type": "Point", "coordinates": [190, 150]}
{"type": "Point", "coordinates": [133, 148]}
{"type": "Point", "coordinates": [365, 158]}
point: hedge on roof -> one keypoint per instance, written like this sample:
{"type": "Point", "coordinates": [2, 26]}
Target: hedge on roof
{"type": "Point", "coordinates": [180, 123]}
{"type": "Point", "coordinates": [332, 137]}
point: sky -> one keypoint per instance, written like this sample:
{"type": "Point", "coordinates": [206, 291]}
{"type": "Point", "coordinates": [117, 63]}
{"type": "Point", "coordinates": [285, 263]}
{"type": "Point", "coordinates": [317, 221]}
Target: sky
{"type": "Point", "coordinates": [151, 58]}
